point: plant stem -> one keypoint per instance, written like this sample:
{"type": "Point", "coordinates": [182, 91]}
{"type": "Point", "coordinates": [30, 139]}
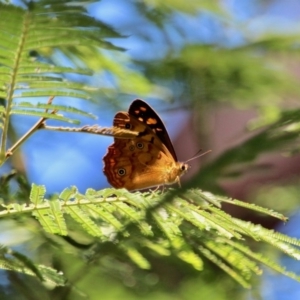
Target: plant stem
{"type": "Point", "coordinates": [36, 126]}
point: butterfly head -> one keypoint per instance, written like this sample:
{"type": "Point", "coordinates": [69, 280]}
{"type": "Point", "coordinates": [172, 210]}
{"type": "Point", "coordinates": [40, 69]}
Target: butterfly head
{"type": "Point", "coordinates": [183, 167]}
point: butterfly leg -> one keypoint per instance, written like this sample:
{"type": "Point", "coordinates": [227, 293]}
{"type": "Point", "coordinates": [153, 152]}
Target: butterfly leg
{"type": "Point", "coordinates": [178, 181]}
{"type": "Point", "coordinates": [156, 189]}
{"type": "Point", "coordinates": [163, 187]}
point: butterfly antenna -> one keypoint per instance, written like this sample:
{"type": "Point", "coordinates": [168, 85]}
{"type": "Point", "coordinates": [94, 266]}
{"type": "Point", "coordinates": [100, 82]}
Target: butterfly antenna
{"type": "Point", "coordinates": [197, 156]}
{"type": "Point", "coordinates": [197, 153]}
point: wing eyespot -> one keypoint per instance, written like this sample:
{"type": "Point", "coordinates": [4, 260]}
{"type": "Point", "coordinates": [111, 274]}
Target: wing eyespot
{"type": "Point", "coordinates": [139, 145]}
{"type": "Point", "coordinates": [121, 172]}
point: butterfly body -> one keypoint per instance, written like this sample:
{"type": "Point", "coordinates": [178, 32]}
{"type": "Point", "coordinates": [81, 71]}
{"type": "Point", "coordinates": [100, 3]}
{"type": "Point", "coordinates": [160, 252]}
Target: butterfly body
{"type": "Point", "coordinates": [146, 161]}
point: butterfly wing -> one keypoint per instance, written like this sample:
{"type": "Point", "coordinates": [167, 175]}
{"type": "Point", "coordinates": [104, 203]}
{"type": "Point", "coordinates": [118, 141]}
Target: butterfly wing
{"type": "Point", "coordinates": [137, 164]}
{"type": "Point", "coordinates": [127, 121]}
{"type": "Point", "coordinates": [144, 113]}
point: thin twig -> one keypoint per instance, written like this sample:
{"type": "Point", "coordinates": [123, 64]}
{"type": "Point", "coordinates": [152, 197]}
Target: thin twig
{"type": "Point", "coordinates": [95, 129]}
{"type": "Point", "coordinates": [36, 126]}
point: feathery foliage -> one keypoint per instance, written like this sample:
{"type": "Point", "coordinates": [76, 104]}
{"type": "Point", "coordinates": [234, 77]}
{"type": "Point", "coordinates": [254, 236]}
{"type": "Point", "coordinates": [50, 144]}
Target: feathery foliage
{"type": "Point", "coordinates": [186, 225]}
{"type": "Point", "coordinates": [15, 261]}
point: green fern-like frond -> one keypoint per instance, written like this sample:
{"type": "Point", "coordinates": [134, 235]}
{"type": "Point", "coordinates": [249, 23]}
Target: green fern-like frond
{"type": "Point", "coordinates": [15, 261]}
{"type": "Point", "coordinates": [51, 216]}
{"type": "Point", "coordinates": [187, 227]}
{"type": "Point", "coordinates": [27, 33]}
{"type": "Point", "coordinates": [263, 259]}
{"type": "Point", "coordinates": [223, 266]}
{"type": "Point", "coordinates": [135, 256]}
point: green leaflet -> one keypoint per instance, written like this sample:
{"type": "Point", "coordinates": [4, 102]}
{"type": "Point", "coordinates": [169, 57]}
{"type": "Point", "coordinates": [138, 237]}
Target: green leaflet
{"type": "Point", "coordinates": [15, 261]}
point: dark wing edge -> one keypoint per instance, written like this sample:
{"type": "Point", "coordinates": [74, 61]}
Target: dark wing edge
{"type": "Point", "coordinates": [146, 114]}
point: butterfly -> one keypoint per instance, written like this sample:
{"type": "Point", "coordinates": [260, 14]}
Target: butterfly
{"type": "Point", "coordinates": [149, 160]}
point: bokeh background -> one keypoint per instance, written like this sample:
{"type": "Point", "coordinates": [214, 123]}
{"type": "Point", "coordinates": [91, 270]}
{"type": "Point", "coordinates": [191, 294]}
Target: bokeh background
{"type": "Point", "coordinates": [217, 72]}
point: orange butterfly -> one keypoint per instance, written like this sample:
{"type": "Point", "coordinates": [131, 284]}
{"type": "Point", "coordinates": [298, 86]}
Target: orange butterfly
{"type": "Point", "coordinates": [146, 161]}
